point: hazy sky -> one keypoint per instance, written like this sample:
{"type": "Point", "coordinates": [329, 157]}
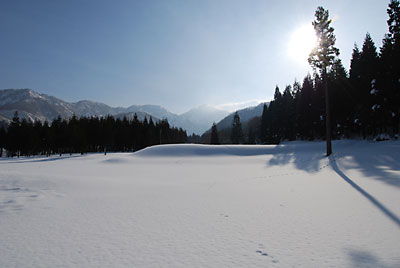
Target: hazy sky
{"type": "Point", "coordinates": [178, 54]}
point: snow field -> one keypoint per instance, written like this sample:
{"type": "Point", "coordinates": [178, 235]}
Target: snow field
{"type": "Point", "coordinates": [204, 206]}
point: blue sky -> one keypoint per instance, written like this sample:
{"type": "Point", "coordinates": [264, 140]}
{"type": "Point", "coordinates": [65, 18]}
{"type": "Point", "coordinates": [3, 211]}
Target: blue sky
{"type": "Point", "coordinates": [178, 54]}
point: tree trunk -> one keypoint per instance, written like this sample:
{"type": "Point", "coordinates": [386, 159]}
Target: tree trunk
{"type": "Point", "coordinates": [328, 135]}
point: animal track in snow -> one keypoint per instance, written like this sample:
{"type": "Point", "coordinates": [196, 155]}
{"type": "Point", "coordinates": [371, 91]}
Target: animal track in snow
{"type": "Point", "coordinates": [14, 197]}
{"type": "Point", "coordinates": [262, 252]}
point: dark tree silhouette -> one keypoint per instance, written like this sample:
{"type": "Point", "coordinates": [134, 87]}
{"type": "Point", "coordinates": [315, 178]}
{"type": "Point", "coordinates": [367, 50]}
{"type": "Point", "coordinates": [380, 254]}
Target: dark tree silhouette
{"type": "Point", "coordinates": [322, 58]}
{"type": "Point", "coordinates": [214, 134]}
{"type": "Point", "coordinates": [237, 132]}
{"type": "Point", "coordinates": [86, 134]}
{"type": "Point", "coordinates": [390, 67]}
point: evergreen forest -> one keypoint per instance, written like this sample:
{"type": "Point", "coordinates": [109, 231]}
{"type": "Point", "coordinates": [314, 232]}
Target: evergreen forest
{"type": "Point", "coordinates": [86, 134]}
{"type": "Point", "coordinates": [364, 102]}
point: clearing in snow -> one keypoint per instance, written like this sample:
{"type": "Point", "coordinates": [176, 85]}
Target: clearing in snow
{"type": "Point", "coordinates": [205, 206]}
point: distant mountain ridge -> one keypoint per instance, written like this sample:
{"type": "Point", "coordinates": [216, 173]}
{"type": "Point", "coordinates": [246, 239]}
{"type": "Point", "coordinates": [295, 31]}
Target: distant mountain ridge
{"type": "Point", "coordinates": [245, 115]}
{"type": "Point", "coordinates": [36, 106]}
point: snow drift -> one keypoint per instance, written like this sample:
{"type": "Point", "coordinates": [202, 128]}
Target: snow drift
{"type": "Point", "coordinates": [179, 150]}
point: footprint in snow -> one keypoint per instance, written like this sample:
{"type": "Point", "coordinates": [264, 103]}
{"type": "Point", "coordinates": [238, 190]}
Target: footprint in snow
{"type": "Point", "coordinates": [265, 254]}
{"type": "Point", "coordinates": [262, 253]}
{"type": "Point", "coordinates": [16, 189]}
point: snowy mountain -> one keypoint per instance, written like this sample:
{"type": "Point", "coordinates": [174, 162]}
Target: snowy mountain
{"type": "Point", "coordinates": [196, 120]}
{"type": "Point", "coordinates": [154, 110]}
{"type": "Point", "coordinates": [201, 118]}
{"type": "Point", "coordinates": [32, 105]}
{"type": "Point", "coordinates": [90, 108]}
{"type": "Point", "coordinates": [141, 116]}
{"type": "Point", "coordinates": [35, 106]}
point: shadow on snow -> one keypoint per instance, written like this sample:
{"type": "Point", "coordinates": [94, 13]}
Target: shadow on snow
{"type": "Point", "coordinates": [379, 161]}
{"type": "Point", "coordinates": [362, 258]}
{"type": "Point", "coordinates": [374, 160]}
{"type": "Point", "coordinates": [22, 160]}
{"type": "Point", "coordinates": [368, 196]}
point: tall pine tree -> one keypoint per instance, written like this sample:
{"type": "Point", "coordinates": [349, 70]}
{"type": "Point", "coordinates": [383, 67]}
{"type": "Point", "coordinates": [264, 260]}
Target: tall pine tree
{"type": "Point", "coordinates": [390, 66]}
{"type": "Point", "coordinates": [237, 132]}
{"type": "Point", "coordinates": [321, 58]}
{"type": "Point", "coordinates": [214, 135]}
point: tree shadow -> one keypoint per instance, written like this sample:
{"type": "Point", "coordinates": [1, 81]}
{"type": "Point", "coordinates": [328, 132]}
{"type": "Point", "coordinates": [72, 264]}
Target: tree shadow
{"type": "Point", "coordinates": [368, 196]}
{"type": "Point", "coordinates": [304, 155]}
{"type": "Point", "coordinates": [35, 160]}
{"type": "Point", "coordinates": [374, 160]}
{"type": "Point", "coordinates": [363, 258]}
{"type": "Point", "coordinates": [379, 161]}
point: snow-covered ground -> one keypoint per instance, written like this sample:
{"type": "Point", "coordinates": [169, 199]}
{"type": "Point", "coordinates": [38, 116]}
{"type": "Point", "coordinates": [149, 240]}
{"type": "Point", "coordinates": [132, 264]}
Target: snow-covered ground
{"type": "Point", "coordinates": [205, 206]}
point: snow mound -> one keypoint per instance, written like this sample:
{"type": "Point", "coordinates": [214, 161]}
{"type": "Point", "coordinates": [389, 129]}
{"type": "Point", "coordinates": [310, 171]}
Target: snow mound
{"type": "Point", "coordinates": [178, 150]}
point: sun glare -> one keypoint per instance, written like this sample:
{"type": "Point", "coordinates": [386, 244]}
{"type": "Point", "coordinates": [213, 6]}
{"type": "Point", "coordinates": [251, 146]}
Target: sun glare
{"type": "Point", "coordinates": [301, 42]}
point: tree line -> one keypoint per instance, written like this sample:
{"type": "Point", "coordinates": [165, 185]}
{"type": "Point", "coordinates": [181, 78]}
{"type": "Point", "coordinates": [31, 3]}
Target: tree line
{"type": "Point", "coordinates": [233, 135]}
{"type": "Point", "coordinates": [85, 134]}
{"type": "Point", "coordinates": [364, 102]}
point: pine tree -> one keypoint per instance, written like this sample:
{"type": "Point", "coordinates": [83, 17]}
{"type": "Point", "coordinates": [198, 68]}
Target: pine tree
{"type": "Point", "coordinates": [390, 66]}
{"type": "Point", "coordinates": [341, 100]}
{"type": "Point", "coordinates": [24, 137]}
{"type": "Point", "coordinates": [394, 19]}
{"type": "Point", "coordinates": [264, 124]}
{"type": "Point", "coordinates": [355, 78]}
{"type": "Point", "coordinates": [296, 97]}
{"type": "Point", "coordinates": [214, 135]}
{"type": "Point", "coordinates": [251, 136]}
{"type": "Point", "coordinates": [288, 114]}
{"type": "Point", "coordinates": [276, 118]}
{"type": "Point", "coordinates": [237, 132]}
{"type": "Point", "coordinates": [322, 58]}
{"type": "Point", "coordinates": [14, 136]}
{"type": "Point", "coordinates": [305, 109]}
{"type": "Point", "coordinates": [355, 63]}
{"type": "Point", "coordinates": [369, 97]}
{"type": "Point", "coordinates": [3, 142]}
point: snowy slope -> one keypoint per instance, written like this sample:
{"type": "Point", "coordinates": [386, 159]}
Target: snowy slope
{"type": "Point", "coordinates": [32, 105]}
{"type": "Point", "coordinates": [91, 108]}
{"type": "Point", "coordinates": [205, 206]}
{"type": "Point", "coordinates": [244, 114]}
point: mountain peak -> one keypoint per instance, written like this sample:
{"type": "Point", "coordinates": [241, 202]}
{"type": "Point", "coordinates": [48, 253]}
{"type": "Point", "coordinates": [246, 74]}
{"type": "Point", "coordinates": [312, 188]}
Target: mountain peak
{"type": "Point", "coordinates": [36, 106]}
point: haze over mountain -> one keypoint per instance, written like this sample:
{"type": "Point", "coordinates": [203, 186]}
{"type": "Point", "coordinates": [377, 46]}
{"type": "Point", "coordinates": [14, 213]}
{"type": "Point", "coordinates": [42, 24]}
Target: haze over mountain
{"type": "Point", "coordinates": [35, 106]}
{"type": "Point", "coordinates": [245, 115]}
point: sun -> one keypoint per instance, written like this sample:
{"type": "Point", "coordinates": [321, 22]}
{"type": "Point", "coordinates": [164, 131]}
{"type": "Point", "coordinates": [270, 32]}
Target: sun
{"type": "Point", "coordinates": [301, 42]}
